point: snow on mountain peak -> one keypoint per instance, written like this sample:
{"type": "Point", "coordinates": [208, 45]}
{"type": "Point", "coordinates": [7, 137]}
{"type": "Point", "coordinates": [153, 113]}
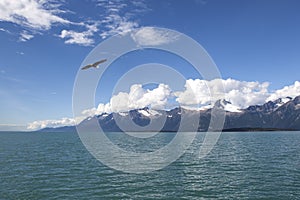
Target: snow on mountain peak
{"type": "Point", "coordinates": [148, 112]}
{"type": "Point", "coordinates": [123, 113]}
{"type": "Point", "coordinates": [227, 106]}
{"type": "Point", "coordinates": [286, 99]}
{"type": "Point", "coordinates": [279, 102]}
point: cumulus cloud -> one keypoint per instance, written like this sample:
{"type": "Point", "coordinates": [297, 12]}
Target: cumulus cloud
{"type": "Point", "coordinates": [151, 36]}
{"type": "Point", "coordinates": [156, 98]}
{"type": "Point", "coordinates": [51, 123]}
{"type": "Point", "coordinates": [138, 97]}
{"type": "Point", "coordinates": [36, 14]}
{"type": "Point", "coordinates": [239, 93]}
{"type": "Point", "coordinates": [198, 94]}
{"type": "Point", "coordinates": [102, 108]}
{"type": "Point", "coordinates": [287, 91]}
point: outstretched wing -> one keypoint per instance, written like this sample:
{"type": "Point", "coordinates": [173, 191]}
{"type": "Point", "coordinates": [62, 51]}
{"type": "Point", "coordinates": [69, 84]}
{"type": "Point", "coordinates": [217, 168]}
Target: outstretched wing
{"type": "Point", "coordinates": [86, 67]}
{"type": "Point", "coordinates": [97, 63]}
{"type": "Point", "coordinates": [94, 64]}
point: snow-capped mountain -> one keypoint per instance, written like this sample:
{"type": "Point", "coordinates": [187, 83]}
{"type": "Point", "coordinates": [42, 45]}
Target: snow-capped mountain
{"type": "Point", "coordinates": [282, 113]}
{"type": "Point", "coordinates": [270, 106]}
{"type": "Point", "coordinates": [227, 106]}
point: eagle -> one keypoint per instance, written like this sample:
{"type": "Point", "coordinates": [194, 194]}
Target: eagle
{"type": "Point", "coordinates": [96, 64]}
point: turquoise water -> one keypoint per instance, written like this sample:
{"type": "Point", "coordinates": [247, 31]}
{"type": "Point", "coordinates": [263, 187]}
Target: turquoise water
{"type": "Point", "coordinates": [241, 166]}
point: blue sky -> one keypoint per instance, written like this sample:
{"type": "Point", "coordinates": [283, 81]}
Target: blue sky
{"type": "Point", "coordinates": [42, 47]}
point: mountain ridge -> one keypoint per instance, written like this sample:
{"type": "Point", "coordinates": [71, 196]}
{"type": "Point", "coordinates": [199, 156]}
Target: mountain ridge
{"type": "Point", "coordinates": [281, 114]}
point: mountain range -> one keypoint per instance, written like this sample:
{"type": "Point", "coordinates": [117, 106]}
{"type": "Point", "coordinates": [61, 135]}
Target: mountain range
{"type": "Point", "coordinates": [282, 114]}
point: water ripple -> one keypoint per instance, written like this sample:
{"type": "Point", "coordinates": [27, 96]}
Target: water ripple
{"type": "Point", "coordinates": [241, 166]}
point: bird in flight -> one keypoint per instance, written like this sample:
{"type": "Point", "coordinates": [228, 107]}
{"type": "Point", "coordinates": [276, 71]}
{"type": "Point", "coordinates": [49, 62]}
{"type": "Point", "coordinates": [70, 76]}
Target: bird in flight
{"type": "Point", "coordinates": [96, 64]}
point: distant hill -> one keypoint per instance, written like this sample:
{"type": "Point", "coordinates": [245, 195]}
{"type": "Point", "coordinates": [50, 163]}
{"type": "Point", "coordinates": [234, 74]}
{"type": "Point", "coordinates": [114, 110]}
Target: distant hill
{"type": "Point", "coordinates": [59, 129]}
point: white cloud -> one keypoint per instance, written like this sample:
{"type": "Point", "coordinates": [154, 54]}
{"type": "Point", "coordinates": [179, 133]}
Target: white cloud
{"type": "Point", "coordinates": [239, 93]}
{"type": "Point", "coordinates": [81, 38]}
{"type": "Point", "coordinates": [151, 36]}
{"type": "Point", "coordinates": [287, 91]}
{"type": "Point", "coordinates": [35, 14]}
{"type": "Point", "coordinates": [138, 97]}
{"type": "Point", "coordinates": [51, 123]}
{"type": "Point", "coordinates": [102, 108]}
{"type": "Point", "coordinates": [25, 36]}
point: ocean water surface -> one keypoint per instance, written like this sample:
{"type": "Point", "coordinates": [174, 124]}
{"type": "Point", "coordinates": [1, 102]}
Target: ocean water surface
{"type": "Point", "coordinates": [248, 165]}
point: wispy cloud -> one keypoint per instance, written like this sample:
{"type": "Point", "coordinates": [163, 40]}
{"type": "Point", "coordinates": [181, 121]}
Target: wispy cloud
{"type": "Point", "coordinates": [5, 76]}
{"type": "Point", "coordinates": [5, 30]}
{"type": "Point", "coordinates": [119, 16]}
{"type": "Point", "coordinates": [20, 53]}
{"type": "Point", "coordinates": [117, 25]}
{"type": "Point", "coordinates": [152, 36]}
{"type": "Point", "coordinates": [35, 14]}
{"type": "Point", "coordinates": [25, 36]}
{"type": "Point", "coordinates": [38, 16]}
{"type": "Point", "coordinates": [202, 2]}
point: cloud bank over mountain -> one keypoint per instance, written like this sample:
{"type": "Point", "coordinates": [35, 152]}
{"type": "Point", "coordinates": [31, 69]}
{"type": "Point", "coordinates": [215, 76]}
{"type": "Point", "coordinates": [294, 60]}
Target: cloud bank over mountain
{"type": "Point", "coordinates": [51, 123]}
{"type": "Point", "coordinates": [138, 97]}
{"type": "Point", "coordinates": [291, 91]}
{"type": "Point", "coordinates": [239, 93]}
{"type": "Point", "coordinates": [196, 94]}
